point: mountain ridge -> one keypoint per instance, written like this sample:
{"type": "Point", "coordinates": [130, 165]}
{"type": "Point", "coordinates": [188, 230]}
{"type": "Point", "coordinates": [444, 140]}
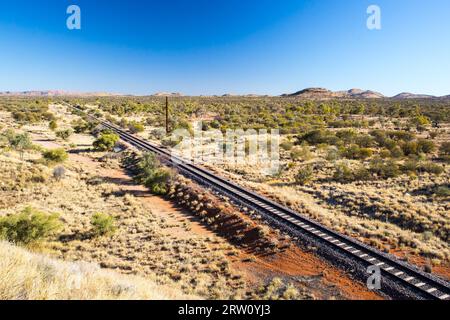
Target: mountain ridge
{"type": "Point", "coordinates": [314, 93]}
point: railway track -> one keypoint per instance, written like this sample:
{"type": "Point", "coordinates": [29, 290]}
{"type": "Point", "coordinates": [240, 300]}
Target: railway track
{"type": "Point", "coordinates": [402, 274]}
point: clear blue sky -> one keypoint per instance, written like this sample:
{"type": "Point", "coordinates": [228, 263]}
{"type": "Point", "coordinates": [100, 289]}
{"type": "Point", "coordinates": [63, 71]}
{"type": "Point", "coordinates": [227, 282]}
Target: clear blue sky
{"type": "Point", "coordinates": [225, 46]}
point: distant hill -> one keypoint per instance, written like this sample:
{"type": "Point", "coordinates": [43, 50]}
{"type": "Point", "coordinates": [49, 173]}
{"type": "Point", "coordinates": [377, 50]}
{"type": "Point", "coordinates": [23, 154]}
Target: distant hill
{"type": "Point", "coordinates": [325, 94]}
{"type": "Point", "coordinates": [407, 95]}
{"type": "Point", "coordinates": [322, 94]}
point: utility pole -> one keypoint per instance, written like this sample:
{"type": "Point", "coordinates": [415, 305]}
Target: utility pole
{"type": "Point", "coordinates": [167, 115]}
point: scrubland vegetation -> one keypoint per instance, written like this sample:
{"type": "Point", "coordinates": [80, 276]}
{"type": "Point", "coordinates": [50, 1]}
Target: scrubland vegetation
{"type": "Point", "coordinates": [376, 170]}
{"type": "Point", "coordinates": [30, 276]}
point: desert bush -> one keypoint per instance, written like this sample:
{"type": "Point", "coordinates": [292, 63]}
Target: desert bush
{"type": "Point", "coordinates": [287, 145]}
{"type": "Point", "coordinates": [19, 142]}
{"type": "Point", "coordinates": [344, 174]}
{"type": "Point", "coordinates": [103, 224]}
{"type": "Point", "coordinates": [385, 153]}
{"type": "Point", "coordinates": [81, 126]}
{"type": "Point", "coordinates": [64, 134]}
{"type": "Point", "coordinates": [332, 154]}
{"type": "Point", "coordinates": [316, 137]}
{"type": "Point", "coordinates": [304, 175]}
{"type": "Point", "coordinates": [442, 191]}
{"type": "Point", "coordinates": [355, 152]}
{"type": "Point", "coordinates": [348, 136]}
{"type": "Point", "coordinates": [59, 173]}
{"type": "Point", "coordinates": [430, 167]}
{"type": "Point", "coordinates": [410, 166]}
{"type": "Point", "coordinates": [365, 141]}
{"type": "Point", "coordinates": [152, 175]}
{"type": "Point", "coordinates": [445, 148]}
{"type": "Point", "coordinates": [302, 153]}
{"type": "Point", "coordinates": [136, 127]}
{"type": "Point", "coordinates": [170, 142]}
{"type": "Point", "coordinates": [420, 121]}
{"type": "Point", "coordinates": [409, 148]}
{"type": "Point", "coordinates": [434, 134]}
{"type": "Point", "coordinates": [425, 146]}
{"type": "Point", "coordinates": [53, 125]}
{"type": "Point", "coordinates": [55, 155]}
{"type": "Point", "coordinates": [397, 152]}
{"type": "Point", "coordinates": [106, 141]}
{"type": "Point", "coordinates": [158, 181]}
{"type": "Point", "coordinates": [29, 226]}
{"type": "Point", "coordinates": [384, 168]}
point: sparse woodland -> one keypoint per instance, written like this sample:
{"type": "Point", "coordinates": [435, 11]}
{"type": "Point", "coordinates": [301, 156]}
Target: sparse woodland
{"type": "Point", "coordinates": [377, 170]}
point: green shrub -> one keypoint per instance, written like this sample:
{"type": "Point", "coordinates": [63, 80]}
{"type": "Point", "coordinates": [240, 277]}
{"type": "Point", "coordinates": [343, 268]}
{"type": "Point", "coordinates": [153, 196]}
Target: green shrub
{"type": "Point", "coordinates": [365, 141]}
{"type": "Point", "coordinates": [421, 121]}
{"type": "Point", "coordinates": [344, 174]}
{"type": "Point", "coordinates": [355, 152]}
{"type": "Point", "coordinates": [410, 148]}
{"type": "Point", "coordinates": [64, 134]}
{"type": "Point", "coordinates": [445, 148]}
{"type": "Point", "coordinates": [302, 153]}
{"type": "Point", "coordinates": [425, 146]}
{"type": "Point", "coordinates": [103, 224]}
{"type": "Point", "coordinates": [332, 154]}
{"type": "Point", "coordinates": [106, 141]}
{"type": "Point", "coordinates": [29, 226]}
{"type": "Point", "coordinates": [442, 191]}
{"type": "Point", "coordinates": [81, 126]}
{"type": "Point", "coordinates": [55, 155]}
{"type": "Point", "coordinates": [287, 145]}
{"type": "Point", "coordinates": [385, 153]}
{"type": "Point", "coordinates": [431, 168]}
{"type": "Point", "coordinates": [152, 175]}
{"type": "Point", "coordinates": [136, 127]}
{"type": "Point", "coordinates": [316, 137]}
{"type": "Point", "coordinates": [158, 182]}
{"type": "Point", "coordinates": [304, 175]}
{"type": "Point", "coordinates": [410, 166]}
{"type": "Point", "coordinates": [53, 125]}
{"type": "Point", "coordinates": [397, 152]}
{"type": "Point", "coordinates": [384, 168]}
{"type": "Point", "coordinates": [19, 142]}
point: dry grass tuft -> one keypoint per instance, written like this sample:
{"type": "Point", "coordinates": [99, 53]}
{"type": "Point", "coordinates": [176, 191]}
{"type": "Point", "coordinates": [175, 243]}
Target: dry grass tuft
{"type": "Point", "coordinates": [29, 276]}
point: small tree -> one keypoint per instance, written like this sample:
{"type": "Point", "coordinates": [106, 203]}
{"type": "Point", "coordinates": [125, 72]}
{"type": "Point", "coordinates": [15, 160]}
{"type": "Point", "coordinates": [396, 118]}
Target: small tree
{"type": "Point", "coordinates": [29, 226]}
{"type": "Point", "coordinates": [53, 125]}
{"type": "Point", "coordinates": [19, 142]}
{"type": "Point", "coordinates": [64, 134]}
{"type": "Point", "coordinates": [103, 224]}
{"type": "Point", "coordinates": [106, 142]}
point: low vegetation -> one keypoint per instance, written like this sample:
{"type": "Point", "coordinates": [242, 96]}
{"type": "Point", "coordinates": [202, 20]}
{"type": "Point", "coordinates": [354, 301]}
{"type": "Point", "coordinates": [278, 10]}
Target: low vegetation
{"type": "Point", "coordinates": [30, 276]}
{"type": "Point", "coordinates": [103, 224]}
{"type": "Point", "coordinates": [106, 141]}
{"type": "Point", "coordinates": [55, 156]}
{"type": "Point", "coordinates": [29, 226]}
